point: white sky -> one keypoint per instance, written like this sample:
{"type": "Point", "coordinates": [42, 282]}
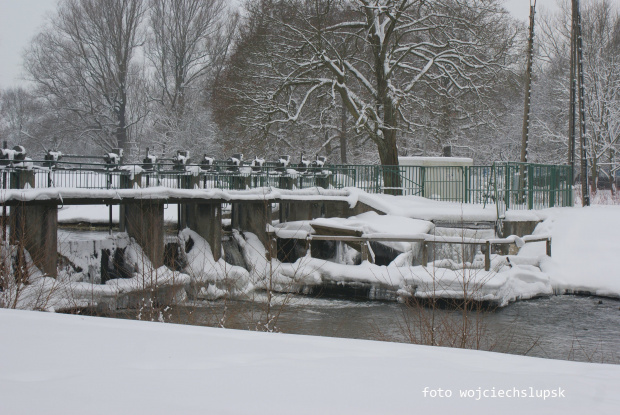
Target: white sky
{"type": "Point", "coordinates": [21, 19]}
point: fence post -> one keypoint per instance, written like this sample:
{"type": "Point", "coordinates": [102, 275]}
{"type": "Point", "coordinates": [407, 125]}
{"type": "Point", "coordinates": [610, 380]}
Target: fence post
{"type": "Point", "coordinates": [364, 249]}
{"type": "Point", "coordinates": [487, 256]}
{"type": "Point", "coordinates": [548, 247]}
{"type": "Point", "coordinates": [507, 186]}
{"type": "Point", "coordinates": [466, 178]}
{"type": "Point", "coordinates": [571, 179]}
{"type": "Point", "coordinates": [554, 172]}
{"type": "Point", "coordinates": [530, 187]}
{"type": "Point", "coordinates": [424, 253]}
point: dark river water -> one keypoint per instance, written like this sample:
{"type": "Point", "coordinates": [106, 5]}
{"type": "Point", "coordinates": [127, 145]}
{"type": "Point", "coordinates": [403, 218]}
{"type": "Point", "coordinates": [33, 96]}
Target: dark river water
{"type": "Point", "coordinates": [558, 327]}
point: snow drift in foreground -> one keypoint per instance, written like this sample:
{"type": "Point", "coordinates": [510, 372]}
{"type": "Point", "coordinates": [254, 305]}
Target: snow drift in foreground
{"type": "Point", "coordinates": [127, 367]}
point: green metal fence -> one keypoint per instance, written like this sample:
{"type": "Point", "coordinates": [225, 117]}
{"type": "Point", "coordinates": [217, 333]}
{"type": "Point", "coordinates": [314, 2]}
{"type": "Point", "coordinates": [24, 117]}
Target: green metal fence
{"type": "Point", "coordinates": [507, 185]}
{"type": "Point", "coordinates": [532, 186]}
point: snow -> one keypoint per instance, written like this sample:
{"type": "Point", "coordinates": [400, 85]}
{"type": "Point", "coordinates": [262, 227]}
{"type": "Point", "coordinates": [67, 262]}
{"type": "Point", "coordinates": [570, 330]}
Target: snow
{"type": "Point", "coordinates": [54, 155]}
{"type": "Point", "coordinates": [79, 289]}
{"type": "Point", "coordinates": [582, 261]}
{"type": "Point", "coordinates": [583, 246]}
{"type": "Point", "coordinates": [203, 268]}
{"type": "Point", "coordinates": [585, 249]}
{"type": "Point", "coordinates": [65, 194]}
{"type": "Point", "coordinates": [100, 214]}
{"type": "Point", "coordinates": [370, 223]}
{"type": "Point", "coordinates": [132, 170]}
{"type": "Point", "coordinates": [435, 161]}
{"type": "Point", "coordinates": [292, 230]}
{"type": "Point", "coordinates": [63, 364]}
{"type": "Point", "coordinates": [418, 207]}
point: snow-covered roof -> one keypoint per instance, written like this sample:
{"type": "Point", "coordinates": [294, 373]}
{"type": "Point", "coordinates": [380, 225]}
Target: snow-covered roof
{"type": "Point", "coordinates": [435, 161]}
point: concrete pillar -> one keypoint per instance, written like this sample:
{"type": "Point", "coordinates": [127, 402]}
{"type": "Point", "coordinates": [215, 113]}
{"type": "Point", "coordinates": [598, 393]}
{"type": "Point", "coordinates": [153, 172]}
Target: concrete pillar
{"type": "Point", "coordinates": [145, 223]}
{"type": "Point", "coordinates": [341, 209]}
{"type": "Point", "coordinates": [206, 220]}
{"type": "Point", "coordinates": [323, 181]}
{"type": "Point", "coordinates": [337, 209]}
{"type": "Point", "coordinates": [519, 228]}
{"type": "Point", "coordinates": [240, 182]}
{"type": "Point", "coordinates": [252, 217]}
{"type": "Point", "coordinates": [35, 227]}
{"type": "Point", "coordinates": [126, 182]}
{"type": "Point", "coordinates": [286, 182]}
{"type": "Point", "coordinates": [188, 209]}
{"type": "Point", "coordinates": [296, 211]}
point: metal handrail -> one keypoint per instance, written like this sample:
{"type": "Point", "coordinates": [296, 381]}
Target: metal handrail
{"type": "Point", "coordinates": [544, 185]}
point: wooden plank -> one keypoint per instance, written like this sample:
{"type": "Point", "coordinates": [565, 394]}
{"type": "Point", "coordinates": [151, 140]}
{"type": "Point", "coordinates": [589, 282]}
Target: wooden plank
{"type": "Point", "coordinates": [335, 231]}
{"type": "Point", "coordinates": [350, 237]}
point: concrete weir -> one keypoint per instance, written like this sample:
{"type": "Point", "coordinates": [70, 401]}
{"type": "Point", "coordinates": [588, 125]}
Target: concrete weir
{"type": "Point", "coordinates": [34, 228]}
{"type": "Point", "coordinates": [34, 212]}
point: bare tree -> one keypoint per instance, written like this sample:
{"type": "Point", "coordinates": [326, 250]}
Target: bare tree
{"type": "Point", "coordinates": [399, 51]}
{"type": "Point", "coordinates": [26, 120]}
{"type": "Point", "coordinates": [602, 78]}
{"type": "Point", "coordinates": [188, 44]}
{"type": "Point", "coordinates": [18, 113]}
{"type": "Point", "coordinates": [82, 63]}
{"type": "Point", "coordinates": [601, 57]}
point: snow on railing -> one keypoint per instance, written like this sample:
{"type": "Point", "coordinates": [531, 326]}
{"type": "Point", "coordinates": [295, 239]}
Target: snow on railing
{"type": "Point", "coordinates": [497, 185]}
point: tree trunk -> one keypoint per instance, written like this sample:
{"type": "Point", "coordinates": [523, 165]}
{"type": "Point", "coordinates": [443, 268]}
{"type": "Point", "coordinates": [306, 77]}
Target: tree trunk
{"type": "Point", "coordinates": [343, 135]}
{"type": "Point", "coordinates": [594, 173]}
{"type": "Point", "coordinates": [612, 173]}
{"type": "Point", "coordinates": [121, 132]}
{"type": "Point", "coordinates": [388, 154]}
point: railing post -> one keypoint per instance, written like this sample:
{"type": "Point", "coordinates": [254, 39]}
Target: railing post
{"type": "Point", "coordinates": [530, 187]}
{"type": "Point", "coordinates": [571, 180]}
{"type": "Point", "coordinates": [364, 249]}
{"type": "Point", "coordinates": [422, 181]}
{"type": "Point", "coordinates": [507, 186]}
{"type": "Point", "coordinates": [465, 172]}
{"type": "Point", "coordinates": [487, 256]}
{"type": "Point", "coordinates": [4, 212]}
{"type": "Point", "coordinates": [548, 247]}
{"type": "Point", "coordinates": [553, 186]}
{"type": "Point", "coordinates": [424, 253]}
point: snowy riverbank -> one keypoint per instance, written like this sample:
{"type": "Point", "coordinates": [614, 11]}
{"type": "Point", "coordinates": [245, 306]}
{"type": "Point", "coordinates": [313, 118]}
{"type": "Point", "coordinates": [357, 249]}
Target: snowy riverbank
{"type": "Point", "coordinates": [61, 364]}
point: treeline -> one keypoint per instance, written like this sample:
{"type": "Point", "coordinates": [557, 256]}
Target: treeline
{"type": "Point", "coordinates": [354, 80]}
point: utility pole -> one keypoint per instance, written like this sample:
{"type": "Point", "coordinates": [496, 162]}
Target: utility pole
{"type": "Point", "coordinates": [528, 87]}
{"type": "Point", "coordinates": [585, 188]}
{"type": "Point", "coordinates": [578, 100]}
{"type": "Point", "coordinates": [525, 135]}
{"type": "Point", "coordinates": [572, 113]}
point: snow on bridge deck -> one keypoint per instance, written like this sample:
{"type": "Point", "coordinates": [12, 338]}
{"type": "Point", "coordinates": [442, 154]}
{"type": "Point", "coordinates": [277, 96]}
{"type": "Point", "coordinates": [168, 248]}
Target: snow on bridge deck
{"type": "Point", "coordinates": [72, 196]}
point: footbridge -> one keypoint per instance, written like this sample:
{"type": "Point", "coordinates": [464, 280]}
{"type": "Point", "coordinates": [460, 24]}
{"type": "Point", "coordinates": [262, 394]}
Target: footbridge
{"type": "Point", "coordinates": [34, 190]}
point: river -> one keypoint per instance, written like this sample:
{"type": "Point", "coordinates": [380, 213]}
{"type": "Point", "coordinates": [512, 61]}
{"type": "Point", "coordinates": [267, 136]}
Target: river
{"type": "Point", "coordinates": [579, 328]}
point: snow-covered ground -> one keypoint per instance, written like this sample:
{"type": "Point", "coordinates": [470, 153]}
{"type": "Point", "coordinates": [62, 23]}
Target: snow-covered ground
{"type": "Point", "coordinates": [62, 364]}
{"type": "Point", "coordinates": [585, 249]}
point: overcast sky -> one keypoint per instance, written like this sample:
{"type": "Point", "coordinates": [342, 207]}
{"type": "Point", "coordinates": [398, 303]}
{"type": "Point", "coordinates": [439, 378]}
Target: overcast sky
{"type": "Point", "coordinates": [21, 19]}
